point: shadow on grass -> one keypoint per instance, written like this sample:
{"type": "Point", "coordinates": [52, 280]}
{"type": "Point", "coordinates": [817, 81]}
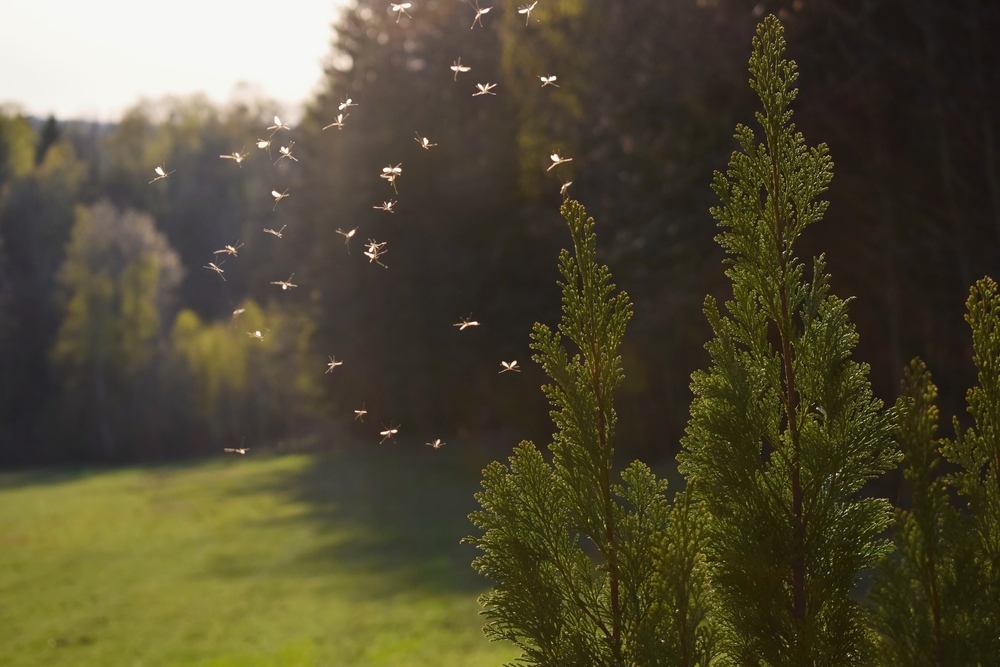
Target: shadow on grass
{"type": "Point", "coordinates": [392, 515]}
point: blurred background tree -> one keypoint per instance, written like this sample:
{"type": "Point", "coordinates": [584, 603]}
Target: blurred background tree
{"type": "Point", "coordinates": [119, 278]}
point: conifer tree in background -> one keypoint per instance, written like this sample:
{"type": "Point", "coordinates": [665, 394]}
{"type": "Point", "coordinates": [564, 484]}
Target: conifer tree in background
{"type": "Point", "coordinates": [550, 599]}
{"type": "Point", "coordinates": [923, 593]}
{"type": "Point", "coordinates": [977, 452]}
{"type": "Point", "coordinates": [784, 430]}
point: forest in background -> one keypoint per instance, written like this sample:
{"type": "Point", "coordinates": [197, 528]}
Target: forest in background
{"type": "Point", "coordinates": [117, 345]}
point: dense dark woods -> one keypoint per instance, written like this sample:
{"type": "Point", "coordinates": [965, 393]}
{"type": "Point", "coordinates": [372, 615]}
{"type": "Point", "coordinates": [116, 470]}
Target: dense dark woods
{"type": "Point", "coordinates": [139, 357]}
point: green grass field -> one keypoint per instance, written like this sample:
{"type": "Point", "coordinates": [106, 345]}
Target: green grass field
{"type": "Point", "coordinates": [346, 558]}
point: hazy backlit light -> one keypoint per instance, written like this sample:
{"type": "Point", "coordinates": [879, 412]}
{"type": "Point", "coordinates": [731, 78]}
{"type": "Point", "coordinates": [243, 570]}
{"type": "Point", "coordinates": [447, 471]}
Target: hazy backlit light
{"type": "Point", "coordinates": [94, 59]}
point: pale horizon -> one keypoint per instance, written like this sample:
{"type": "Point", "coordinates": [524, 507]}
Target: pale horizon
{"type": "Point", "coordinates": [92, 61]}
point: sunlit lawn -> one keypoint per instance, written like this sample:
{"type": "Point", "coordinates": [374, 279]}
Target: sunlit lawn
{"type": "Point", "coordinates": [348, 558]}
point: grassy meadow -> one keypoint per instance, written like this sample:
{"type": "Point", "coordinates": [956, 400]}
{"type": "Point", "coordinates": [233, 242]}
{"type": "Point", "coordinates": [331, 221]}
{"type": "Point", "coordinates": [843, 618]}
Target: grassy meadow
{"type": "Point", "coordinates": [343, 558]}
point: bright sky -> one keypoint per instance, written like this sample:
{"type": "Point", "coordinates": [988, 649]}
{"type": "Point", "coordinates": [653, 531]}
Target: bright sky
{"type": "Point", "coordinates": [93, 58]}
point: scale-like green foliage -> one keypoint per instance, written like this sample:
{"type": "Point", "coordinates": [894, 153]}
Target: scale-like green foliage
{"type": "Point", "coordinates": [784, 430]}
{"type": "Point", "coordinates": [924, 592]}
{"type": "Point", "coordinates": [610, 602]}
{"type": "Point", "coordinates": [977, 452]}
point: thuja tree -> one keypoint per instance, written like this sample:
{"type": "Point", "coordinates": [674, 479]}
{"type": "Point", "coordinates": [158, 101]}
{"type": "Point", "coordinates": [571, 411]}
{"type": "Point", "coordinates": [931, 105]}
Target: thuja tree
{"type": "Point", "coordinates": [977, 453]}
{"type": "Point", "coordinates": [588, 571]}
{"type": "Point", "coordinates": [784, 430]}
{"type": "Point", "coordinates": [924, 594]}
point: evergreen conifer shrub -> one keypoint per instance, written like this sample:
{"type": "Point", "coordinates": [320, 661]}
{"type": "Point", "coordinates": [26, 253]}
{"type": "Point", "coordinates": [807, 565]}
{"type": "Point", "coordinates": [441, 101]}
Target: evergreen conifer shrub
{"type": "Point", "coordinates": [924, 594]}
{"type": "Point", "coordinates": [784, 429]}
{"type": "Point", "coordinates": [588, 570]}
{"type": "Point", "coordinates": [976, 451]}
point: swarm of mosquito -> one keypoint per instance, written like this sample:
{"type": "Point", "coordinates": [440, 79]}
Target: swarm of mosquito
{"type": "Point", "coordinates": [374, 250]}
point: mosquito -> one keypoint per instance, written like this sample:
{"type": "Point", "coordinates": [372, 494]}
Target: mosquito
{"type": "Point", "coordinates": [339, 124]}
{"type": "Point", "coordinates": [510, 366]}
{"type": "Point", "coordinates": [388, 433]}
{"type": "Point", "coordinates": [466, 323]}
{"type": "Point", "coordinates": [424, 142]}
{"type": "Point", "coordinates": [564, 189]}
{"type": "Point", "coordinates": [333, 363]}
{"type": "Point", "coordinates": [526, 10]}
{"type": "Point", "coordinates": [390, 173]}
{"type": "Point", "coordinates": [375, 251]}
{"type": "Point", "coordinates": [257, 334]}
{"type": "Point", "coordinates": [484, 89]}
{"type": "Point", "coordinates": [286, 152]}
{"type": "Point", "coordinates": [457, 67]}
{"type": "Point", "coordinates": [229, 249]}
{"type": "Point", "coordinates": [348, 102]}
{"type": "Point", "coordinates": [360, 414]}
{"type": "Point", "coordinates": [239, 157]}
{"type": "Point", "coordinates": [549, 81]}
{"type": "Point", "coordinates": [556, 161]}
{"type": "Point", "coordinates": [479, 15]}
{"type": "Point", "coordinates": [217, 268]}
{"type": "Point", "coordinates": [285, 284]}
{"type": "Point", "coordinates": [278, 196]}
{"type": "Point", "coordinates": [160, 174]}
{"type": "Point", "coordinates": [386, 206]}
{"type": "Point", "coordinates": [236, 450]}
{"type": "Point", "coordinates": [237, 313]}
{"type": "Point", "coordinates": [278, 125]}
{"type": "Point", "coordinates": [347, 237]}
{"type": "Point", "coordinates": [437, 444]}
{"type": "Point", "coordinates": [400, 10]}
{"type": "Point", "coordinates": [265, 143]}
{"type": "Point", "coordinates": [276, 233]}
